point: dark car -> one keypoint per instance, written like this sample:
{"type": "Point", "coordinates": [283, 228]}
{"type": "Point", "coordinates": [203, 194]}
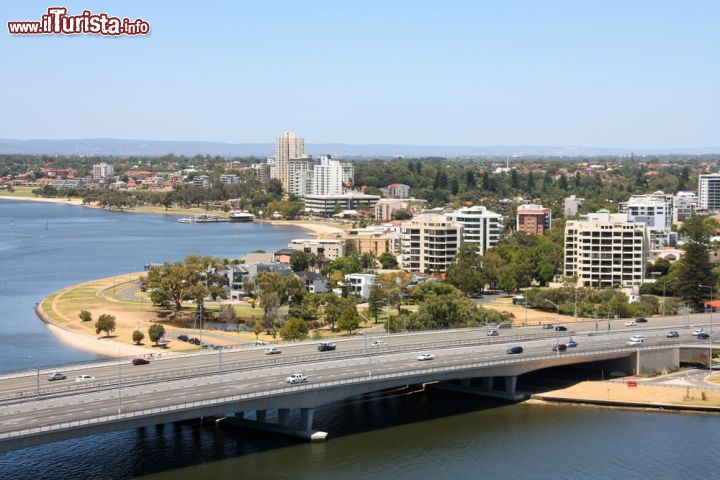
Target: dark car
{"type": "Point", "coordinates": [641, 320]}
{"type": "Point", "coordinates": [560, 347]}
{"type": "Point", "coordinates": [183, 338]}
{"type": "Point", "coordinates": [140, 361]}
{"type": "Point", "coordinates": [560, 328]}
{"type": "Point", "coordinates": [514, 350]}
{"type": "Point", "coordinates": [194, 341]}
{"type": "Point", "coordinates": [703, 336]}
{"type": "Point", "coordinates": [326, 346]}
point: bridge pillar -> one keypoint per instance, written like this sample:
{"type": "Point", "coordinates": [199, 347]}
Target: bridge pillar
{"type": "Point", "coordinates": [260, 415]}
{"type": "Point", "coordinates": [283, 416]}
{"type": "Point", "coordinates": [510, 384]}
{"type": "Point", "coordinates": [306, 418]}
{"type": "Point", "coordinates": [487, 383]}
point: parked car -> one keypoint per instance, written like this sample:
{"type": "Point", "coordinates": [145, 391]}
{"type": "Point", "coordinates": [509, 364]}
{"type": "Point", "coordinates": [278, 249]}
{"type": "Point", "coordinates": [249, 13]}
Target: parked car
{"type": "Point", "coordinates": [56, 376]}
{"type": "Point", "coordinates": [641, 320]}
{"type": "Point", "coordinates": [183, 338]}
{"type": "Point", "coordinates": [296, 378]}
{"type": "Point", "coordinates": [673, 334]}
{"type": "Point", "coordinates": [492, 333]}
{"type": "Point", "coordinates": [84, 378]}
{"type": "Point", "coordinates": [630, 323]}
{"type": "Point", "coordinates": [194, 341]}
{"type": "Point", "coordinates": [425, 356]}
{"type": "Point", "coordinates": [514, 350]}
{"type": "Point", "coordinates": [140, 361]}
{"type": "Point", "coordinates": [258, 343]}
{"type": "Point", "coordinates": [703, 336]}
{"type": "Point", "coordinates": [272, 351]}
{"type": "Point", "coordinates": [561, 328]}
{"type": "Point", "coordinates": [560, 347]}
{"type": "Point", "coordinates": [326, 346]}
{"type": "Point", "coordinates": [571, 343]}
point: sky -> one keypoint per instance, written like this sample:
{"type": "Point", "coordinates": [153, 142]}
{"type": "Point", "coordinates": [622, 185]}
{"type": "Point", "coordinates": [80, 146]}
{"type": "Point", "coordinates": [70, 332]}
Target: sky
{"type": "Point", "coordinates": [605, 73]}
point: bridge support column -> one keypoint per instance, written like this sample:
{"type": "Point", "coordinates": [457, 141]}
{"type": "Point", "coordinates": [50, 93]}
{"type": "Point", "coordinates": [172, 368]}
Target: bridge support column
{"type": "Point", "coordinates": [283, 416]}
{"type": "Point", "coordinates": [306, 418]}
{"type": "Point", "coordinates": [487, 383]}
{"type": "Point", "coordinates": [510, 384]}
{"type": "Point", "coordinates": [260, 415]}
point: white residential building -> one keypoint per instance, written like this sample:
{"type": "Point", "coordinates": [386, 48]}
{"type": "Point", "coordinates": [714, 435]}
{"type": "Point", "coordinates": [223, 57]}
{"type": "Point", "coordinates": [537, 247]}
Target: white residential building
{"type": "Point", "coordinates": [572, 206]}
{"type": "Point", "coordinates": [360, 283]}
{"type": "Point", "coordinates": [709, 192]}
{"type": "Point", "coordinates": [684, 205]}
{"type": "Point", "coordinates": [329, 176]}
{"type": "Point", "coordinates": [102, 170]}
{"type": "Point", "coordinates": [328, 248]}
{"type": "Point", "coordinates": [429, 243]}
{"type": "Point", "coordinates": [480, 226]}
{"type": "Point", "coordinates": [655, 211]}
{"type": "Point", "coordinates": [606, 250]}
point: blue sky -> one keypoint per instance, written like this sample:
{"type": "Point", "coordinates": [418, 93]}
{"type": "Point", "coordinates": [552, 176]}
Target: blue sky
{"type": "Point", "coordinates": [630, 74]}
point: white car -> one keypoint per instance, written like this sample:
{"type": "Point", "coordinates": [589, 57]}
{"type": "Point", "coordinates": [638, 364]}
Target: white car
{"type": "Point", "coordinates": [425, 356]}
{"type": "Point", "coordinates": [633, 342]}
{"type": "Point", "coordinates": [296, 378]}
{"type": "Point", "coordinates": [378, 343]}
{"type": "Point", "coordinates": [698, 332]}
{"type": "Point", "coordinates": [84, 378]}
{"type": "Point", "coordinates": [492, 333]}
{"type": "Point", "coordinates": [272, 351]}
{"type": "Point", "coordinates": [631, 323]}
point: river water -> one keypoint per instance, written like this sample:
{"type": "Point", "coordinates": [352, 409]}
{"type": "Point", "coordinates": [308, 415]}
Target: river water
{"type": "Point", "coordinates": [401, 435]}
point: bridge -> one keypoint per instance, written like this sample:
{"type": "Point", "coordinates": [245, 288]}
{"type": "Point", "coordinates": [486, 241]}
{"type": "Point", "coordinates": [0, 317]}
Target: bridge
{"type": "Point", "coordinates": [228, 384]}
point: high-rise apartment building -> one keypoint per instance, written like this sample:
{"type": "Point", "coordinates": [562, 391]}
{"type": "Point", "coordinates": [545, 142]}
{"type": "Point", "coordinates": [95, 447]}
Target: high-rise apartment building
{"type": "Point", "coordinates": [429, 243]}
{"type": "Point", "coordinates": [709, 192]}
{"type": "Point", "coordinates": [287, 147]}
{"type": "Point", "coordinates": [102, 170]}
{"type": "Point", "coordinates": [480, 226]}
{"type": "Point", "coordinates": [604, 250]}
{"type": "Point", "coordinates": [533, 218]}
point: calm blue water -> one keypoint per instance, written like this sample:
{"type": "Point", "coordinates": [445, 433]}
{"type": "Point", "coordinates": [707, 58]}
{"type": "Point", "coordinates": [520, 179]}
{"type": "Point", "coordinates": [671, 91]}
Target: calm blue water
{"type": "Point", "coordinates": [405, 436]}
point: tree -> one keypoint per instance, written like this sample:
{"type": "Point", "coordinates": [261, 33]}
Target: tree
{"type": "Point", "coordinates": [257, 329]}
{"type": "Point", "coordinates": [349, 319]}
{"type": "Point", "coordinates": [299, 261]}
{"type": "Point", "coordinates": [137, 337]}
{"type": "Point", "coordinates": [85, 316]}
{"type": "Point", "coordinates": [179, 281]}
{"type": "Point", "coordinates": [332, 309]}
{"type": "Point", "coordinates": [388, 261]}
{"type": "Point", "coordinates": [465, 272]}
{"type": "Point", "coordinates": [294, 329]}
{"type": "Point", "coordinates": [376, 299]}
{"type": "Point", "coordinates": [694, 268]}
{"type": "Point", "coordinates": [105, 323]}
{"type": "Point", "coordinates": [271, 305]}
{"type": "Point", "coordinates": [156, 332]}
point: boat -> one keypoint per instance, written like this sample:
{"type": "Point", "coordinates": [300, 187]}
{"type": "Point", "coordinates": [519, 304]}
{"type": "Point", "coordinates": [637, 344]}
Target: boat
{"type": "Point", "coordinates": [241, 216]}
{"type": "Point", "coordinates": [186, 220]}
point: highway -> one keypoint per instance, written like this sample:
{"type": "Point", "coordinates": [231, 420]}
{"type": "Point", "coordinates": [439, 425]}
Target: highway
{"type": "Point", "coordinates": [29, 401]}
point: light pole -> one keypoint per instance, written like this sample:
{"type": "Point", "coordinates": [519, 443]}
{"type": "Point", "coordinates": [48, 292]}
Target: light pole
{"type": "Point", "coordinates": [557, 348]}
{"type": "Point", "coordinates": [710, 360]}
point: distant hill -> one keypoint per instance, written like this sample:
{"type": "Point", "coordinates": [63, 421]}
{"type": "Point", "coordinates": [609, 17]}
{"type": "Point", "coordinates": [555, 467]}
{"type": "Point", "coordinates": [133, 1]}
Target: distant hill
{"type": "Point", "coordinates": [115, 147]}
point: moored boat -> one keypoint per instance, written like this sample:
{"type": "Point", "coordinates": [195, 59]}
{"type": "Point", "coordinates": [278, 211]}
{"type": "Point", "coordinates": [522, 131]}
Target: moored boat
{"type": "Point", "coordinates": [241, 216]}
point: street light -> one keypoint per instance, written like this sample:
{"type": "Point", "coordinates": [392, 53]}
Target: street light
{"type": "Point", "coordinates": [710, 360]}
{"type": "Point", "coordinates": [557, 348]}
